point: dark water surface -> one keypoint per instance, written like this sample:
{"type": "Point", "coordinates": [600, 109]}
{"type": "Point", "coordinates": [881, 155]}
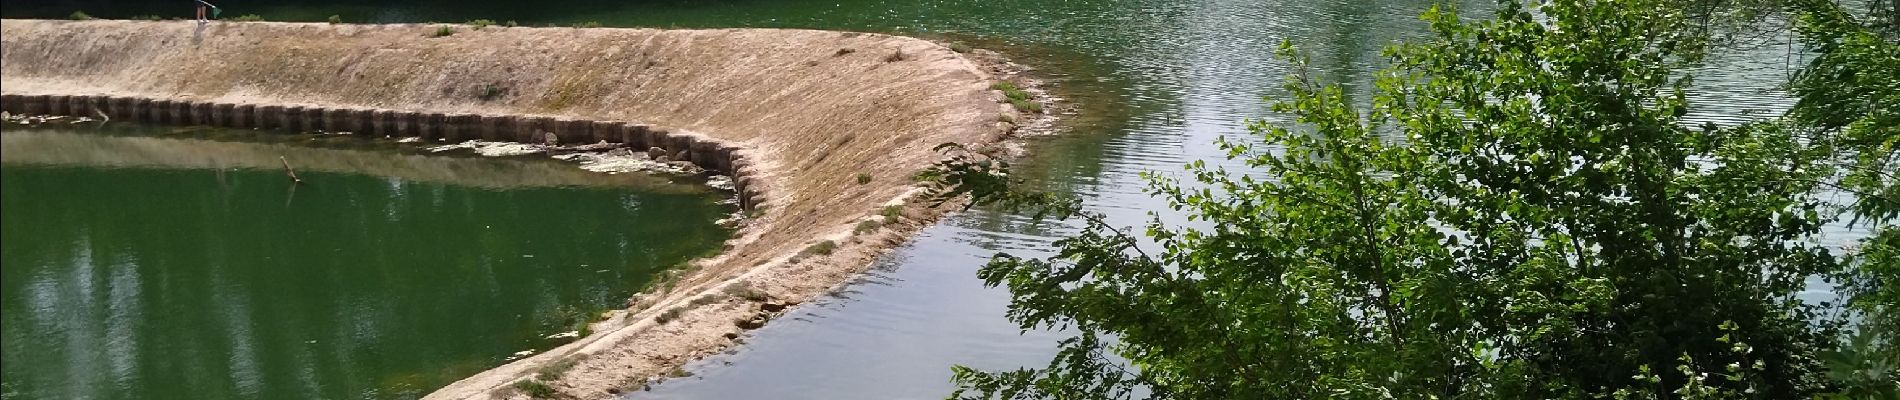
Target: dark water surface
{"type": "Point", "coordinates": [1156, 81]}
{"type": "Point", "coordinates": [157, 279]}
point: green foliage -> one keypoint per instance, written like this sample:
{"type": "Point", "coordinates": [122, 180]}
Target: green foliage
{"type": "Point", "coordinates": [535, 389]}
{"type": "Point", "coordinates": [249, 18]}
{"type": "Point", "coordinates": [511, 23]}
{"type": "Point", "coordinates": [864, 178]}
{"type": "Point", "coordinates": [335, 19]}
{"type": "Point", "coordinates": [1521, 213]}
{"type": "Point", "coordinates": [145, 18]}
{"type": "Point", "coordinates": [588, 24]}
{"type": "Point", "coordinates": [1849, 97]}
{"type": "Point", "coordinates": [481, 23]}
{"type": "Point", "coordinates": [79, 16]}
{"type": "Point", "coordinates": [1017, 97]}
{"type": "Point", "coordinates": [959, 47]}
{"type": "Point", "coordinates": [891, 213]}
{"type": "Point", "coordinates": [442, 31]}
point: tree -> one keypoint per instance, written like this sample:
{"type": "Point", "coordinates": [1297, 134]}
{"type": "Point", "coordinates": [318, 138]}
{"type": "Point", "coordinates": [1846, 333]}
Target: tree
{"type": "Point", "coordinates": [1850, 96]}
{"type": "Point", "coordinates": [1521, 213]}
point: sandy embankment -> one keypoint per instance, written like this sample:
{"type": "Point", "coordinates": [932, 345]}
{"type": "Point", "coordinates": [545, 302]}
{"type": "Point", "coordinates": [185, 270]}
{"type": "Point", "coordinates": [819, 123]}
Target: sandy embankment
{"type": "Point", "coordinates": [811, 110]}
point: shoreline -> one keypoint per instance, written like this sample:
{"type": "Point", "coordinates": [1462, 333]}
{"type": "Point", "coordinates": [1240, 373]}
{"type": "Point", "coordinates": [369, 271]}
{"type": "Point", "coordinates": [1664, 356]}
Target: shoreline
{"type": "Point", "coordinates": [820, 129]}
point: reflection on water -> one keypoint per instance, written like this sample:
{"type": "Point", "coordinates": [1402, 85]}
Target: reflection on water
{"type": "Point", "coordinates": [164, 280]}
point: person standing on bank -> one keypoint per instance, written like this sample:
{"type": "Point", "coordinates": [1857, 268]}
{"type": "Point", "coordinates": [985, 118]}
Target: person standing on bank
{"type": "Point", "coordinates": [202, 6]}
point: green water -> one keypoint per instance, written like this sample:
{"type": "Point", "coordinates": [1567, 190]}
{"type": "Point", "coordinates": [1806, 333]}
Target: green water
{"type": "Point", "coordinates": [167, 282]}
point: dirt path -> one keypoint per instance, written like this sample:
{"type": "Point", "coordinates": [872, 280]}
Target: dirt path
{"type": "Point", "coordinates": [835, 123]}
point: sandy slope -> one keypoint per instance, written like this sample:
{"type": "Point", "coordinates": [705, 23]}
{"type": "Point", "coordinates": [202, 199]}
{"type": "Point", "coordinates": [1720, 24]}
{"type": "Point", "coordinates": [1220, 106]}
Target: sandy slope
{"type": "Point", "coordinates": [812, 109]}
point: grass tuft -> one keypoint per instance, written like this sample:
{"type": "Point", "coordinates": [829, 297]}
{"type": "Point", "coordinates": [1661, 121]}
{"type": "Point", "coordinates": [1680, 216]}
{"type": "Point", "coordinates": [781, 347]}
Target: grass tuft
{"type": "Point", "coordinates": [588, 24]}
{"type": "Point", "coordinates": [535, 389]}
{"type": "Point", "coordinates": [669, 315]}
{"type": "Point", "coordinates": [868, 226]}
{"type": "Point", "coordinates": [864, 178]}
{"type": "Point", "coordinates": [821, 248]}
{"type": "Point", "coordinates": [960, 47]}
{"type": "Point", "coordinates": [442, 31]}
{"type": "Point", "coordinates": [336, 19]}
{"type": "Point", "coordinates": [744, 290]}
{"type": "Point", "coordinates": [79, 16]}
{"type": "Point", "coordinates": [1017, 97]}
{"type": "Point", "coordinates": [891, 214]}
{"type": "Point", "coordinates": [481, 23]}
{"type": "Point", "coordinates": [552, 372]}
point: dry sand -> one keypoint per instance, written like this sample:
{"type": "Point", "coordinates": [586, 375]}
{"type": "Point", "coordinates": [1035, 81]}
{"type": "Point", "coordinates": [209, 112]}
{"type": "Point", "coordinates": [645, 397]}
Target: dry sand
{"type": "Point", "coordinates": [811, 109]}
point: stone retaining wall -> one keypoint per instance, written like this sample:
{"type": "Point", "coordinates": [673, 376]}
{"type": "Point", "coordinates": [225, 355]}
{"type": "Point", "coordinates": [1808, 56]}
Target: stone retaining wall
{"type": "Point", "coordinates": [707, 153]}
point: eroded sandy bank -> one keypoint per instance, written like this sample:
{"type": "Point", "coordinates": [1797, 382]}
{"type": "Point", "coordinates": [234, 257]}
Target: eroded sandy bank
{"type": "Point", "coordinates": [833, 123]}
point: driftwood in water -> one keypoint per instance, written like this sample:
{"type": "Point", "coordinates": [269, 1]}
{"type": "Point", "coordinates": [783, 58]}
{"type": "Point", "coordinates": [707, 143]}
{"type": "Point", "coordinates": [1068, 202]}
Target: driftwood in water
{"type": "Point", "coordinates": [288, 171]}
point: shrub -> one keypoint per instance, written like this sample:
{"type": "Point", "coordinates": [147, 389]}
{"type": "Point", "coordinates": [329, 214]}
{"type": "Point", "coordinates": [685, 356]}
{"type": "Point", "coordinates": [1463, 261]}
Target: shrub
{"type": "Point", "coordinates": [896, 56]}
{"type": "Point", "coordinates": [864, 178]}
{"type": "Point", "coordinates": [669, 315]}
{"type": "Point", "coordinates": [891, 214]}
{"type": "Point", "coordinates": [481, 23]}
{"type": "Point", "coordinates": [248, 18]}
{"type": "Point", "coordinates": [511, 23]}
{"type": "Point", "coordinates": [744, 290]}
{"type": "Point", "coordinates": [868, 226]}
{"type": "Point", "coordinates": [535, 389]}
{"type": "Point", "coordinates": [707, 299]}
{"type": "Point", "coordinates": [79, 16]}
{"type": "Point", "coordinates": [444, 30]}
{"type": "Point", "coordinates": [490, 91]}
{"type": "Point", "coordinates": [554, 371]}
{"type": "Point", "coordinates": [959, 47]}
{"type": "Point", "coordinates": [336, 19]}
{"type": "Point", "coordinates": [820, 248]}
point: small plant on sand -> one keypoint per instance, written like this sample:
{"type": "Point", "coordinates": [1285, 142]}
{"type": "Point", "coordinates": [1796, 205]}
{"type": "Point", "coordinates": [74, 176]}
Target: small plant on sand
{"type": "Point", "coordinates": [844, 51]}
{"type": "Point", "coordinates": [744, 290]}
{"type": "Point", "coordinates": [335, 19]}
{"type": "Point", "coordinates": [707, 299]}
{"type": "Point", "coordinates": [864, 178]}
{"type": "Point", "coordinates": [896, 56]}
{"type": "Point", "coordinates": [1017, 97]}
{"type": "Point", "coordinates": [588, 24]}
{"type": "Point", "coordinates": [511, 23]}
{"type": "Point", "coordinates": [891, 214]}
{"type": "Point", "coordinates": [249, 18]}
{"type": "Point", "coordinates": [868, 226]}
{"type": "Point", "coordinates": [79, 16]}
{"type": "Point", "coordinates": [481, 23]}
{"type": "Point", "coordinates": [821, 248]}
{"type": "Point", "coordinates": [535, 389]}
{"type": "Point", "coordinates": [669, 315]}
{"type": "Point", "coordinates": [490, 91]}
{"type": "Point", "coordinates": [959, 47]}
{"type": "Point", "coordinates": [145, 18]}
{"type": "Point", "coordinates": [442, 31]}
{"type": "Point", "coordinates": [552, 372]}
